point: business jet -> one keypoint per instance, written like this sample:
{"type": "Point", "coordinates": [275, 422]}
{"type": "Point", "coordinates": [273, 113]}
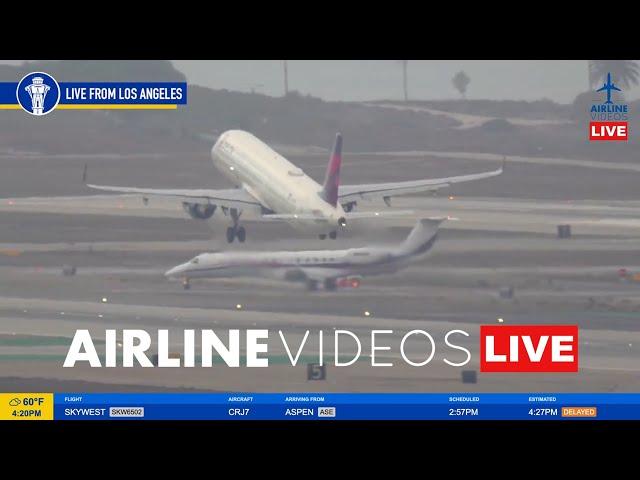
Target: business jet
{"type": "Point", "coordinates": [275, 189]}
{"type": "Point", "coordinates": [330, 268]}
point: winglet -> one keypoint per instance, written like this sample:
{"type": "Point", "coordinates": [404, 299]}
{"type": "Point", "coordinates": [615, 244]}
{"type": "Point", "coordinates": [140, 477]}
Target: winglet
{"type": "Point", "coordinates": [332, 178]}
{"type": "Point", "coordinates": [84, 174]}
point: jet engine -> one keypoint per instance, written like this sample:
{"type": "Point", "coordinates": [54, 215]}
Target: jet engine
{"type": "Point", "coordinates": [199, 211]}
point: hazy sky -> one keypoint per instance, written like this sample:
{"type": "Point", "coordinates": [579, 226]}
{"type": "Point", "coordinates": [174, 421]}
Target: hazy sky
{"type": "Point", "coordinates": [382, 79]}
{"type": "Point", "coordinates": [374, 79]}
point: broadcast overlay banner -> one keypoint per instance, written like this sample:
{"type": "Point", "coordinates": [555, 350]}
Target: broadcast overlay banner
{"type": "Point", "coordinates": [96, 95]}
{"type": "Point", "coordinates": [319, 406]}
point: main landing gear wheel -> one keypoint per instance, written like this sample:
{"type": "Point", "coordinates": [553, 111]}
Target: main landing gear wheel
{"type": "Point", "coordinates": [236, 232]}
{"type": "Point", "coordinates": [185, 284]}
{"type": "Point", "coordinates": [231, 234]}
{"type": "Point", "coordinates": [333, 235]}
{"type": "Point", "coordinates": [241, 234]}
{"type": "Point", "coordinates": [312, 285]}
{"type": "Point", "coordinates": [330, 285]}
{"type": "Point", "coordinates": [322, 236]}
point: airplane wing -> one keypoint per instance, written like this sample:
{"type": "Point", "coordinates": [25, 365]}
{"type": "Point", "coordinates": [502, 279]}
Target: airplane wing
{"type": "Point", "coordinates": [230, 197]}
{"type": "Point", "coordinates": [348, 215]}
{"type": "Point", "coordinates": [601, 89]}
{"type": "Point", "coordinates": [349, 193]}
{"type": "Point", "coordinates": [613, 87]}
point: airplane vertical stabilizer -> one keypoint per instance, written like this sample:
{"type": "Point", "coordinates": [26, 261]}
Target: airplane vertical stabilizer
{"type": "Point", "coordinates": [422, 237]}
{"type": "Point", "coordinates": [332, 178]}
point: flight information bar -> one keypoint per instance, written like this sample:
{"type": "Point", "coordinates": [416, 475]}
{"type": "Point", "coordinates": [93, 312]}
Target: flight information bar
{"type": "Point", "coordinates": [336, 406]}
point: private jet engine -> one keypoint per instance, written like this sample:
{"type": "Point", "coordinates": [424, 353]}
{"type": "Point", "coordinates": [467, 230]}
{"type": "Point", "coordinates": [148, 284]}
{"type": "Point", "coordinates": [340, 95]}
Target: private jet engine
{"type": "Point", "coordinates": [199, 211]}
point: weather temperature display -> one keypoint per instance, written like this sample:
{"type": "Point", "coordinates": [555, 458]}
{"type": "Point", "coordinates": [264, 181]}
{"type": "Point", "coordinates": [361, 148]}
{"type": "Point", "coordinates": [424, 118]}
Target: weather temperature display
{"type": "Point", "coordinates": [26, 406]}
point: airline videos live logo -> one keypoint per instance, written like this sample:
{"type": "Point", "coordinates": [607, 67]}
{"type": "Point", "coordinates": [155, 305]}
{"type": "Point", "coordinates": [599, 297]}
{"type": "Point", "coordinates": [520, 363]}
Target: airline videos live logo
{"type": "Point", "coordinates": [609, 120]}
{"type": "Point", "coordinates": [529, 348]}
{"type": "Point", "coordinates": [608, 131]}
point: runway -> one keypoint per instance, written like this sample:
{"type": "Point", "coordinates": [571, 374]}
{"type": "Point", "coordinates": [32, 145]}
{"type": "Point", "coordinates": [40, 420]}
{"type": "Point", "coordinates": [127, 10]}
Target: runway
{"type": "Point", "coordinates": [504, 236]}
{"type": "Point", "coordinates": [606, 355]}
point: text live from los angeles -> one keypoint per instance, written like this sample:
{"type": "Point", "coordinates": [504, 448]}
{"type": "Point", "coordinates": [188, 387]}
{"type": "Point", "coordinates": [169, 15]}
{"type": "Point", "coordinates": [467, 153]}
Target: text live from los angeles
{"type": "Point", "coordinates": [324, 240]}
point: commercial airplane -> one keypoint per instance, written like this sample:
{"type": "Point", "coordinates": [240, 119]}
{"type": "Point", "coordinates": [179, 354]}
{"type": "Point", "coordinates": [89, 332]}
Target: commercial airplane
{"type": "Point", "coordinates": [608, 86]}
{"type": "Point", "coordinates": [275, 189]}
{"type": "Point", "coordinates": [331, 268]}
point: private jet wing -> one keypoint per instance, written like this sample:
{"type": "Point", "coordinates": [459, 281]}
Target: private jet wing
{"type": "Point", "coordinates": [230, 197]}
{"type": "Point", "coordinates": [352, 193]}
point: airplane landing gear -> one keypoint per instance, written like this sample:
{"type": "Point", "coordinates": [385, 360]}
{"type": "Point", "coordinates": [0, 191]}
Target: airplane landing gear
{"type": "Point", "coordinates": [312, 285]}
{"type": "Point", "coordinates": [185, 284]}
{"type": "Point", "coordinates": [330, 285]}
{"type": "Point", "coordinates": [235, 231]}
{"type": "Point", "coordinates": [241, 234]}
{"type": "Point", "coordinates": [332, 235]}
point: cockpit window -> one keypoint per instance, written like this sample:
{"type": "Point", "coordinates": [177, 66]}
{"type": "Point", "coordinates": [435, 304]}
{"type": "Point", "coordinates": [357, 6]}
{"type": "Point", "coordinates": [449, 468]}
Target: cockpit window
{"type": "Point", "coordinates": [195, 260]}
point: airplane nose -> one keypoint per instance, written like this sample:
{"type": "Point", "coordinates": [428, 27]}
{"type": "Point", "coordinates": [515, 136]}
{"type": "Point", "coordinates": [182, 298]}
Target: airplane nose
{"type": "Point", "coordinates": [175, 271]}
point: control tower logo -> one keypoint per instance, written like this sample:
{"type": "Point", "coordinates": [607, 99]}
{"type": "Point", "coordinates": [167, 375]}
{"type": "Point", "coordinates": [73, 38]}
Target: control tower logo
{"type": "Point", "coordinates": [38, 93]}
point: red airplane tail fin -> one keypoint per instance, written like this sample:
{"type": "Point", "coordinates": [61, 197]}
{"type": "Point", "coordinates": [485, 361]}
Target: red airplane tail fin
{"type": "Point", "coordinates": [332, 178]}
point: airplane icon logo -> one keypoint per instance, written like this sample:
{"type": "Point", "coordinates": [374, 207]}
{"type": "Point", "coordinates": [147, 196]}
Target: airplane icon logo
{"type": "Point", "coordinates": [608, 87]}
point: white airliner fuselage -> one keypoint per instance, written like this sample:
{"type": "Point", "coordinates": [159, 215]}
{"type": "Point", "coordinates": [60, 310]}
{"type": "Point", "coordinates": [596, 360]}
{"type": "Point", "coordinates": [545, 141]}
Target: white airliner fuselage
{"type": "Point", "coordinates": [277, 190]}
{"type": "Point", "coordinates": [278, 184]}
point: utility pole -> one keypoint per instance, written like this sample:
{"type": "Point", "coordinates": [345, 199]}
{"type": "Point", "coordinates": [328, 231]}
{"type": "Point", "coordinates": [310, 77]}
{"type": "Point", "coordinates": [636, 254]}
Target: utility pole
{"type": "Point", "coordinates": [404, 79]}
{"type": "Point", "coordinates": [286, 77]}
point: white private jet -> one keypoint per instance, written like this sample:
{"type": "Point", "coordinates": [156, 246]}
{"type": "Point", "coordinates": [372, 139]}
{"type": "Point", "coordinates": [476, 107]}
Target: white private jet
{"type": "Point", "coordinates": [331, 268]}
{"type": "Point", "coordinates": [275, 189]}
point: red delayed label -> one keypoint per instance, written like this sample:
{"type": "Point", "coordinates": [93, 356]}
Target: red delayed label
{"type": "Point", "coordinates": [529, 348]}
{"type": "Point", "coordinates": [608, 131]}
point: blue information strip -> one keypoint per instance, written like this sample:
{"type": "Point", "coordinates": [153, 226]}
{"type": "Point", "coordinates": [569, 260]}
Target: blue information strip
{"type": "Point", "coordinates": [347, 406]}
{"type": "Point", "coordinates": [109, 93]}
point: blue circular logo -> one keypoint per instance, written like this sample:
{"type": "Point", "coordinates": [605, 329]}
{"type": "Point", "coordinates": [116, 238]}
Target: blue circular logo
{"type": "Point", "coordinates": [38, 93]}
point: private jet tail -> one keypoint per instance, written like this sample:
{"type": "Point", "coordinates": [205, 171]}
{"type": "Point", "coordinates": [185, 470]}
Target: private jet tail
{"type": "Point", "coordinates": [332, 178]}
{"type": "Point", "coordinates": [422, 237]}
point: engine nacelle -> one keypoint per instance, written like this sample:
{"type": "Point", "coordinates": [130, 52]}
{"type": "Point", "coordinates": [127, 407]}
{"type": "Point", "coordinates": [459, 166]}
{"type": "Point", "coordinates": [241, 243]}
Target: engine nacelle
{"type": "Point", "coordinates": [349, 206]}
{"type": "Point", "coordinates": [199, 211]}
